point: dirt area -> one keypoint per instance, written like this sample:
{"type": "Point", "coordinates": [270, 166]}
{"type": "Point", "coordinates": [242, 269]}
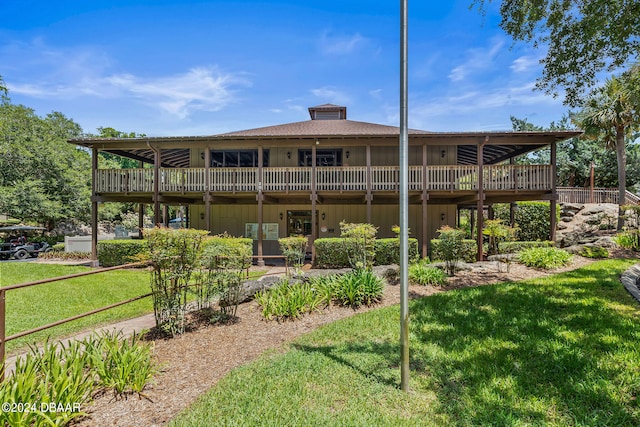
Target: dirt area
{"type": "Point", "coordinates": [194, 362]}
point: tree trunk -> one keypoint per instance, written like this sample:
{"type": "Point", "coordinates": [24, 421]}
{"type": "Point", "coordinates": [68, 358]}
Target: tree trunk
{"type": "Point", "coordinates": [621, 155]}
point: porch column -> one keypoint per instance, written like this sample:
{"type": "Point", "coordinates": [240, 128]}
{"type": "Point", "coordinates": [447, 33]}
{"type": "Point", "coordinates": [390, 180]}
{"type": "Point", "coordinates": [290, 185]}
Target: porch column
{"type": "Point", "coordinates": [260, 198]}
{"type": "Point", "coordinates": [480, 204]}
{"type": "Point", "coordinates": [314, 196]}
{"type": "Point", "coordinates": [140, 219]}
{"type": "Point", "coordinates": [512, 205]}
{"type": "Point", "coordinates": [554, 194]}
{"type": "Point", "coordinates": [425, 198]}
{"type": "Point", "coordinates": [156, 185]}
{"type": "Point", "coordinates": [369, 195]}
{"type": "Point", "coordinates": [207, 189]}
{"type": "Point", "coordinates": [165, 215]}
{"type": "Point", "coordinates": [94, 209]}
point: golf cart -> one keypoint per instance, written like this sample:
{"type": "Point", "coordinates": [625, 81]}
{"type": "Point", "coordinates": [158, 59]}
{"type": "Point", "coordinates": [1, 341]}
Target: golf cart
{"type": "Point", "coordinates": [17, 245]}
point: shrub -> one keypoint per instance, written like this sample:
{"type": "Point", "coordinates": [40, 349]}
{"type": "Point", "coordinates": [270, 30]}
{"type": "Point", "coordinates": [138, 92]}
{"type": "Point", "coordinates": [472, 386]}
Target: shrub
{"type": "Point", "coordinates": [498, 233]}
{"type": "Point", "coordinates": [294, 249]}
{"type": "Point", "coordinates": [288, 300]}
{"type": "Point", "coordinates": [421, 273]}
{"type": "Point", "coordinates": [513, 247]}
{"type": "Point", "coordinates": [118, 252]}
{"type": "Point", "coordinates": [358, 287]}
{"type": "Point", "coordinates": [65, 256]}
{"type": "Point", "coordinates": [174, 257]}
{"type": "Point", "coordinates": [388, 251]}
{"type": "Point", "coordinates": [468, 251]}
{"type": "Point", "coordinates": [450, 247]}
{"type": "Point", "coordinates": [361, 249]}
{"type": "Point", "coordinates": [58, 247]}
{"type": "Point", "coordinates": [332, 252]}
{"type": "Point", "coordinates": [628, 240]}
{"type": "Point", "coordinates": [531, 218]}
{"type": "Point", "coordinates": [594, 252]}
{"type": "Point", "coordinates": [546, 258]}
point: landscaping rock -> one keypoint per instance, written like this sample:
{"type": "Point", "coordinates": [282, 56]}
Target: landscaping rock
{"type": "Point", "coordinates": [594, 210]}
{"type": "Point", "coordinates": [566, 218]}
{"type": "Point", "coordinates": [250, 287]}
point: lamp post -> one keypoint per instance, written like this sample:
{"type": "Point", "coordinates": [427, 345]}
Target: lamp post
{"type": "Point", "coordinates": [404, 202]}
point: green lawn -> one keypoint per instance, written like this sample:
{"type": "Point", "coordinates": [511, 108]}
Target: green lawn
{"type": "Point", "coordinates": [558, 351]}
{"type": "Point", "coordinates": [41, 304]}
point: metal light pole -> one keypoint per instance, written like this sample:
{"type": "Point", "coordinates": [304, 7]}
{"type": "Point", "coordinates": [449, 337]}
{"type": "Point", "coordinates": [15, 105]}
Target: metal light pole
{"type": "Point", "coordinates": [404, 201]}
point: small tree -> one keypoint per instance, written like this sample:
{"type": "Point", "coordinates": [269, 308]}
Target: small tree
{"type": "Point", "coordinates": [450, 247]}
{"type": "Point", "coordinates": [497, 232]}
{"type": "Point", "coordinates": [294, 249]}
{"type": "Point", "coordinates": [362, 250]}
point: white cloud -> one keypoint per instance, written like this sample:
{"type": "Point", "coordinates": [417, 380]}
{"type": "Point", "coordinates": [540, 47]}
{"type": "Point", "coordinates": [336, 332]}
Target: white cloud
{"type": "Point", "coordinates": [340, 45]}
{"type": "Point", "coordinates": [331, 95]}
{"type": "Point", "coordinates": [477, 59]}
{"type": "Point", "coordinates": [524, 63]}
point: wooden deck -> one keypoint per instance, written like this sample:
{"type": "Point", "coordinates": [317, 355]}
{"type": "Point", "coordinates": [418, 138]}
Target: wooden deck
{"type": "Point", "coordinates": [338, 179]}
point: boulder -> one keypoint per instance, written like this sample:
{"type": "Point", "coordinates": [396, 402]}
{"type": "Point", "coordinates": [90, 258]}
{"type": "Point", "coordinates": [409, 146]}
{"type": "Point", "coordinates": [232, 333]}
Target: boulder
{"type": "Point", "coordinates": [571, 207]}
{"type": "Point", "coordinates": [594, 210]}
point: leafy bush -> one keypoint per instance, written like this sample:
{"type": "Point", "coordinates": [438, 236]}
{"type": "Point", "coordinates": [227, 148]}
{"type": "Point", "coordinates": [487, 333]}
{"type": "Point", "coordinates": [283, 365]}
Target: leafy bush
{"type": "Point", "coordinates": [628, 240]}
{"type": "Point", "coordinates": [294, 249]}
{"type": "Point", "coordinates": [468, 251]}
{"type": "Point", "coordinates": [361, 249]}
{"type": "Point", "coordinates": [531, 218]}
{"type": "Point", "coordinates": [546, 258]}
{"type": "Point", "coordinates": [358, 287]}
{"type": "Point", "coordinates": [65, 256]}
{"type": "Point", "coordinates": [388, 251]}
{"type": "Point", "coordinates": [498, 233]}
{"type": "Point", "coordinates": [288, 300]}
{"type": "Point", "coordinates": [513, 247]}
{"type": "Point", "coordinates": [66, 376]}
{"type": "Point", "coordinates": [118, 252]}
{"type": "Point", "coordinates": [121, 365]}
{"type": "Point", "coordinates": [421, 273]}
{"type": "Point", "coordinates": [331, 253]}
{"type": "Point", "coordinates": [174, 256]}
{"type": "Point", "coordinates": [58, 247]}
{"type": "Point", "coordinates": [594, 252]}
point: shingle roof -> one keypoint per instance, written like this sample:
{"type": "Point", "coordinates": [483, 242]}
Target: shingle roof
{"type": "Point", "coordinates": [320, 128]}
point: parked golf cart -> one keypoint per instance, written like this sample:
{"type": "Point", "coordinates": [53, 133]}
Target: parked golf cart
{"type": "Point", "coordinates": [17, 244]}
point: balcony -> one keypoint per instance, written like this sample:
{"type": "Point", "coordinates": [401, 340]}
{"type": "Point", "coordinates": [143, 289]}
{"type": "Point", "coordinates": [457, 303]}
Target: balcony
{"type": "Point", "coordinates": [328, 179]}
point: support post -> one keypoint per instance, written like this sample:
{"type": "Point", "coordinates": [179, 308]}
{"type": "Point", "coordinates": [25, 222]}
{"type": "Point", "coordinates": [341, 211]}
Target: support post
{"type": "Point", "coordinates": [260, 196]}
{"type": "Point", "coordinates": [207, 190]}
{"type": "Point", "coordinates": [314, 197]}
{"type": "Point", "coordinates": [480, 205]}
{"type": "Point", "coordinates": [554, 194]}
{"type": "Point", "coordinates": [156, 185]}
{"type": "Point", "coordinates": [94, 209]}
{"type": "Point", "coordinates": [369, 192]}
{"type": "Point", "coordinates": [425, 197]}
{"type": "Point", "coordinates": [3, 331]}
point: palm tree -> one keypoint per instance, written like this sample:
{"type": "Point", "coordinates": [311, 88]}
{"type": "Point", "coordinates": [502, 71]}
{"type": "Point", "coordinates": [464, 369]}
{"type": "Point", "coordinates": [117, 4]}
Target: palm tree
{"type": "Point", "coordinates": [611, 115]}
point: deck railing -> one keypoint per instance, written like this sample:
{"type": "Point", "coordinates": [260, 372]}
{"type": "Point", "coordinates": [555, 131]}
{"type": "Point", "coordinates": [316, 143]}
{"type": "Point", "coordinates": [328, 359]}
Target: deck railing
{"type": "Point", "coordinates": [597, 195]}
{"type": "Point", "coordinates": [342, 179]}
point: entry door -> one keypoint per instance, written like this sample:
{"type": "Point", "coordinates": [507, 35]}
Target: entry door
{"type": "Point", "coordinates": [299, 223]}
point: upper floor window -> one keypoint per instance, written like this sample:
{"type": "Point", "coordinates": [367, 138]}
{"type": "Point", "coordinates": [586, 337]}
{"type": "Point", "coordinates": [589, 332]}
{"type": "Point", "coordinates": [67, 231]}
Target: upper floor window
{"type": "Point", "coordinates": [238, 158]}
{"type": "Point", "coordinates": [323, 157]}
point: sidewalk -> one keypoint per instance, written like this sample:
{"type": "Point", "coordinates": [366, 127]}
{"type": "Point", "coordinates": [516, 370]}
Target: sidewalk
{"type": "Point", "coordinates": [127, 327]}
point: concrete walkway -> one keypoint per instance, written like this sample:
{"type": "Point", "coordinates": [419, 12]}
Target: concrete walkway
{"type": "Point", "coordinates": [127, 327]}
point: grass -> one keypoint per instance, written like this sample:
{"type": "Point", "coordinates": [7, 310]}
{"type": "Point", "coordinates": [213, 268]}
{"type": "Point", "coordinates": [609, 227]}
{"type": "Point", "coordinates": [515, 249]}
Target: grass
{"type": "Point", "coordinates": [560, 350]}
{"type": "Point", "coordinates": [41, 304]}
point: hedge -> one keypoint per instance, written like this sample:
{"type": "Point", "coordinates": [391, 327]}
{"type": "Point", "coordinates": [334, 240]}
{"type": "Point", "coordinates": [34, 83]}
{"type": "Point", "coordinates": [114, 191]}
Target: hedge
{"type": "Point", "coordinates": [118, 252]}
{"type": "Point", "coordinates": [388, 251]}
{"type": "Point", "coordinates": [513, 247]}
{"type": "Point", "coordinates": [238, 249]}
{"type": "Point", "coordinates": [332, 252]}
{"type": "Point", "coordinates": [531, 218]}
{"type": "Point", "coordinates": [469, 252]}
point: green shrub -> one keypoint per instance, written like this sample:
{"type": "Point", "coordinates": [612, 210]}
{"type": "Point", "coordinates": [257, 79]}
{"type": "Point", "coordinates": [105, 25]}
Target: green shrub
{"type": "Point", "coordinates": [118, 252]}
{"type": "Point", "coordinates": [498, 233]}
{"type": "Point", "coordinates": [531, 218]}
{"type": "Point", "coordinates": [358, 287]}
{"type": "Point", "coordinates": [58, 247]}
{"type": "Point", "coordinates": [450, 247]}
{"type": "Point", "coordinates": [594, 252]}
{"type": "Point", "coordinates": [288, 300]}
{"type": "Point", "coordinates": [421, 273]}
{"type": "Point", "coordinates": [628, 239]}
{"type": "Point", "coordinates": [546, 258]}
{"type": "Point", "coordinates": [294, 249]}
{"type": "Point", "coordinates": [361, 249]}
{"type": "Point", "coordinates": [468, 251]}
{"type": "Point", "coordinates": [514, 247]}
{"type": "Point", "coordinates": [331, 253]}
{"type": "Point", "coordinates": [388, 251]}
{"type": "Point", "coordinates": [65, 256]}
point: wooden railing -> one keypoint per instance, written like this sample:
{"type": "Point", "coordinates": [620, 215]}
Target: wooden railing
{"type": "Point", "coordinates": [342, 179]}
{"type": "Point", "coordinates": [597, 195]}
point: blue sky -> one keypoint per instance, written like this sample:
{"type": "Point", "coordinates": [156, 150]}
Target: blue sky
{"type": "Point", "coordinates": [168, 67]}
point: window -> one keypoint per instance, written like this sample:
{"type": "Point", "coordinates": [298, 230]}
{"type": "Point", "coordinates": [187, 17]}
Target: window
{"type": "Point", "coordinates": [323, 157]}
{"type": "Point", "coordinates": [238, 158]}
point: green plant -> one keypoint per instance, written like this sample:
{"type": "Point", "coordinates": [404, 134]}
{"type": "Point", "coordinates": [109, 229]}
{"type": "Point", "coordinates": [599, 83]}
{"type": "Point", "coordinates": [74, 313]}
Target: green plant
{"type": "Point", "coordinates": [450, 247]}
{"type": "Point", "coordinates": [594, 252]}
{"type": "Point", "coordinates": [545, 258]}
{"type": "Point", "coordinates": [123, 365]}
{"type": "Point", "coordinates": [532, 219]}
{"type": "Point", "coordinates": [358, 287]}
{"type": "Point", "coordinates": [58, 247]}
{"type": "Point", "coordinates": [174, 256]}
{"type": "Point", "coordinates": [388, 251]}
{"type": "Point", "coordinates": [65, 256]}
{"type": "Point", "coordinates": [118, 252]}
{"type": "Point", "coordinates": [361, 250]}
{"type": "Point", "coordinates": [294, 249]}
{"type": "Point", "coordinates": [421, 273]}
{"type": "Point", "coordinates": [324, 287]}
{"type": "Point", "coordinates": [288, 300]}
{"type": "Point", "coordinates": [628, 240]}
{"type": "Point", "coordinates": [498, 233]}
{"type": "Point", "coordinates": [468, 250]}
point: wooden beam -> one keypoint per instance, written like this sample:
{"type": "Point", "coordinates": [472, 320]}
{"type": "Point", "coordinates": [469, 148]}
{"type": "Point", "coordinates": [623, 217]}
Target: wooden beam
{"type": "Point", "coordinates": [424, 198]}
{"type": "Point", "coordinates": [94, 209]}
{"type": "Point", "coordinates": [260, 197]}
{"type": "Point", "coordinates": [369, 196]}
{"type": "Point", "coordinates": [480, 203]}
{"type": "Point", "coordinates": [554, 193]}
{"type": "Point", "coordinates": [314, 197]}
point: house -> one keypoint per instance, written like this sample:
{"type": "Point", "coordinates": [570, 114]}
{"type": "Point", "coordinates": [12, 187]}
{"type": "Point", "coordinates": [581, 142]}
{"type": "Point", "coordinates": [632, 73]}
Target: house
{"type": "Point", "coordinates": [306, 177]}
